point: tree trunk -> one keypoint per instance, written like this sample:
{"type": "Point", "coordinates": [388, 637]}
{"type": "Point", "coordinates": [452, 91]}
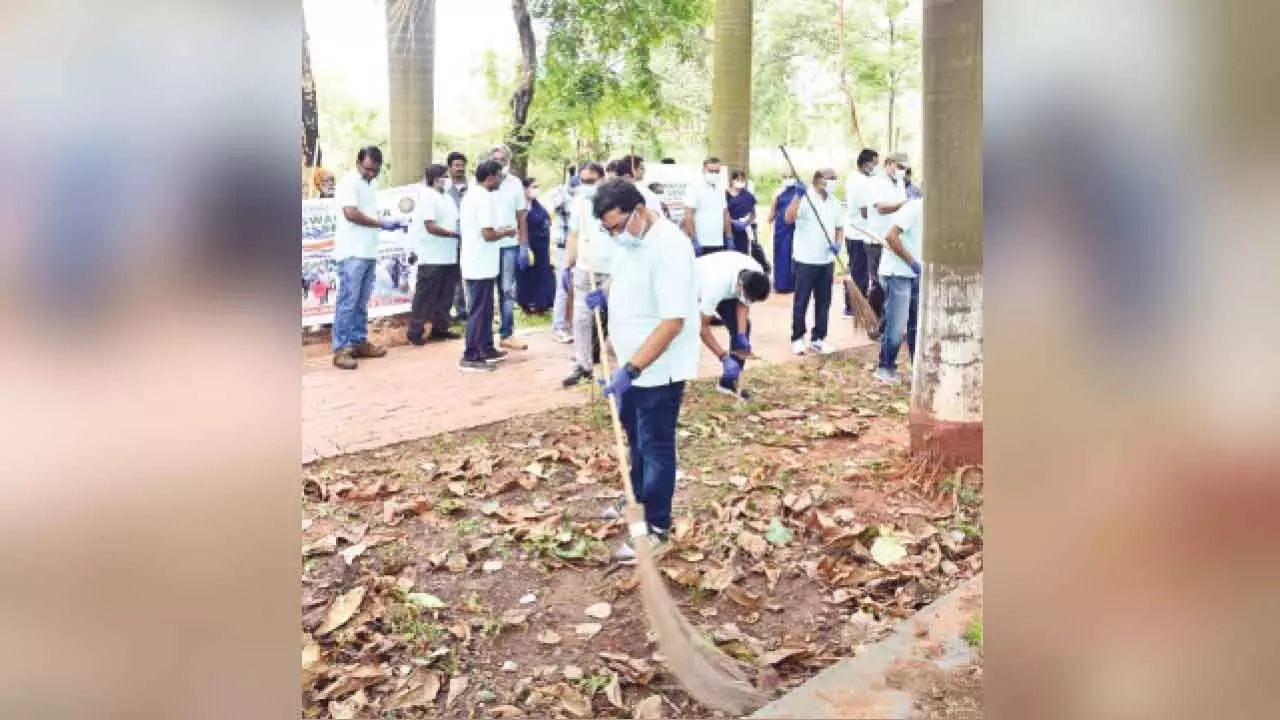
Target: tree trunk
{"type": "Point", "coordinates": [521, 136]}
{"type": "Point", "coordinates": [730, 122]}
{"type": "Point", "coordinates": [855, 130]}
{"type": "Point", "coordinates": [946, 393]}
{"type": "Point", "coordinates": [411, 49]}
{"type": "Point", "coordinates": [310, 114]}
{"type": "Point", "coordinates": [893, 88]}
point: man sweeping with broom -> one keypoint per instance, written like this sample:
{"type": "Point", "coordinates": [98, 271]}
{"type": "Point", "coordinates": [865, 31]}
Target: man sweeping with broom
{"type": "Point", "coordinates": [653, 323]}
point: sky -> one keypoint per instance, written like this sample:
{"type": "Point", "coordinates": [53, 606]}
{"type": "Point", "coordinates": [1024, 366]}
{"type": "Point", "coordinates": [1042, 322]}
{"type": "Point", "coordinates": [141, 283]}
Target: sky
{"type": "Point", "coordinates": [348, 45]}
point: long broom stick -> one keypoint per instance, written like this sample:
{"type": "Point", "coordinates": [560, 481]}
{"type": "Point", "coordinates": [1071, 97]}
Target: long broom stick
{"type": "Point", "coordinates": [707, 674]}
{"type": "Point", "coordinates": [864, 317]}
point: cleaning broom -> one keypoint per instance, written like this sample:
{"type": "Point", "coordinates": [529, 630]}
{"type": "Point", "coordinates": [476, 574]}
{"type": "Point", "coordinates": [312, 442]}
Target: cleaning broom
{"type": "Point", "coordinates": [864, 318]}
{"type": "Point", "coordinates": [707, 674]}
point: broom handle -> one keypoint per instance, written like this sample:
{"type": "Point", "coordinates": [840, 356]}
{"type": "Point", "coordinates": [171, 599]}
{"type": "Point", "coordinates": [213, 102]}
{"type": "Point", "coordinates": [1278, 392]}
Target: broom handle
{"type": "Point", "coordinates": [843, 269]}
{"type": "Point", "coordinates": [624, 465]}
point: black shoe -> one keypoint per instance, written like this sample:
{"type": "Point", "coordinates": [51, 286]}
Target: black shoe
{"type": "Point", "coordinates": [731, 390]}
{"type": "Point", "coordinates": [575, 377]}
{"type": "Point", "coordinates": [475, 366]}
{"type": "Point", "coordinates": [416, 340]}
{"type": "Point", "coordinates": [446, 335]}
{"type": "Point", "coordinates": [495, 357]}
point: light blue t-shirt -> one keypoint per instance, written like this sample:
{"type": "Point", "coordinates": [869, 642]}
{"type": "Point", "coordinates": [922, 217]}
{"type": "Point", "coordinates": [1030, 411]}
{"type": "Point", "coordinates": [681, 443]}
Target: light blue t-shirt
{"type": "Point", "coordinates": [479, 257]}
{"type": "Point", "coordinates": [434, 249]}
{"type": "Point", "coordinates": [351, 240]}
{"type": "Point", "coordinates": [910, 222]}
{"type": "Point", "coordinates": [507, 200]}
{"type": "Point", "coordinates": [654, 282]}
{"type": "Point", "coordinates": [810, 245]}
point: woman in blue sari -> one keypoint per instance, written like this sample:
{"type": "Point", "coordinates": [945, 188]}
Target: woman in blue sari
{"type": "Point", "coordinates": [742, 210]}
{"type": "Point", "coordinates": [784, 277]}
{"type": "Point", "coordinates": [536, 284]}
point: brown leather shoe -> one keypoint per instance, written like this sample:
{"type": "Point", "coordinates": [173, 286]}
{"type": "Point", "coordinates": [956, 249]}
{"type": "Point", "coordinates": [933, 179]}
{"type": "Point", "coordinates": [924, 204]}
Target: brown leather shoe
{"type": "Point", "coordinates": [513, 344]}
{"type": "Point", "coordinates": [344, 359]}
{"type": "Point", "coordinates": [367, 349]}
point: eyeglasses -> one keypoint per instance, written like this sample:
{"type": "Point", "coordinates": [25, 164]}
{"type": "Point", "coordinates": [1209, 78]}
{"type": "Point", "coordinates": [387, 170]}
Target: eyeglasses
{"type": "Point", "coordinates": [615, 229]}
{"type": "Point", "coordinates": [830, 178]}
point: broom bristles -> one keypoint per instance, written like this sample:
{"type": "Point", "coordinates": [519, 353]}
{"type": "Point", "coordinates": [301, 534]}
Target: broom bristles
{"type": "Point", "coordinates": [707, 674]}
{"type": "Point", "coordinates": [864, 318]}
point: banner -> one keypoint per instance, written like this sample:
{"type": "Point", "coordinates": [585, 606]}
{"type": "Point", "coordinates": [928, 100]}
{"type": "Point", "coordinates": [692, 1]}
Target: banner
{"type": "Point", "coordinates": [394, 277]}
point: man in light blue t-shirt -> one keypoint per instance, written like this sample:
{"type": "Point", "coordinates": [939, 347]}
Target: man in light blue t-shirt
{"type": "Point", "coordinates": [355, 247]}
{"type": "Point", "coordinates": [900, 276]}
{"type": "Point", "coordinates": [654, 325]}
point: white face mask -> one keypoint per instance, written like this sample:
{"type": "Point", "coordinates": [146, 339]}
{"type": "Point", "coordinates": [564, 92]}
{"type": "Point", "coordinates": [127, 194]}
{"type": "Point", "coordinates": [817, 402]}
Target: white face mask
{"type": "Point", "coordinates": [586, 190]}
{"type": "Point", "coordinates": [711, 178]}
{"type": "Point", "coordinates": [788, 182]}
{"type": "Point", "coordinates": [739, 185]}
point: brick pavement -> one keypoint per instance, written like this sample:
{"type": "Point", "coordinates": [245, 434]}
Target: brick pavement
{"type": "Point", "coordinates": [415, 392]}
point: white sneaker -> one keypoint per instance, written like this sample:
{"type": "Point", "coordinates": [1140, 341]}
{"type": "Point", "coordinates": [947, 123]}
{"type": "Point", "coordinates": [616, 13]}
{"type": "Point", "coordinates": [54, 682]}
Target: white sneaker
{"type": "Point", "coordinates": [821, 347]}
{"type": "Point", "coordinates": [563, 338]}
{"type": "Point", "coordinates": [798, 347]}
{"type": "Point", "coordinates": [888, 377]}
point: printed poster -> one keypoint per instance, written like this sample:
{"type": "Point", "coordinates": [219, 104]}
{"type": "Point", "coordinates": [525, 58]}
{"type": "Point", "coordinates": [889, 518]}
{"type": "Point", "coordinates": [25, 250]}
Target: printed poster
{"type": "Point", "coordinates": [394, 277]}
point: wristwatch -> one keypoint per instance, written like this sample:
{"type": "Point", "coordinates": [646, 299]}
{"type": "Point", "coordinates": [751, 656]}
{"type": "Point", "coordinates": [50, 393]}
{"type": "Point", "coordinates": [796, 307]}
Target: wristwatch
{"type": "Point", "coordinates": [633, 372]}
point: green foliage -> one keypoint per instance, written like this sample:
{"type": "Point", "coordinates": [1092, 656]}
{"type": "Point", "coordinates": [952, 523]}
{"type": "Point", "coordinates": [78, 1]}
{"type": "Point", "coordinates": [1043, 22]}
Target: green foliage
{"type": "Point", "coordinates": [598, 92]}
{"type": "Point", "coordinates": [973, 635]}
{"type": "Point", "coordinates": [593, 684]}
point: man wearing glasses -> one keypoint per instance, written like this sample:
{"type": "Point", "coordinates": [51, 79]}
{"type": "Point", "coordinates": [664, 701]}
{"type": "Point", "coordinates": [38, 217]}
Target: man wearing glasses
{"type": "Point", "coordinates": [653, 292]}
{"type": "Point", "coordinates": [728, 284]}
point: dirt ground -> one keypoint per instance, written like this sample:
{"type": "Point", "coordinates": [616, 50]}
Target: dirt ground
{"type": "Point", "coordinates": [468, 575]}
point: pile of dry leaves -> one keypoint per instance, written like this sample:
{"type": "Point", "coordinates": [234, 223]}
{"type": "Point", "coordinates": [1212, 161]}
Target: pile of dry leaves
{"type": "Point", "coordinates": [469, 576]}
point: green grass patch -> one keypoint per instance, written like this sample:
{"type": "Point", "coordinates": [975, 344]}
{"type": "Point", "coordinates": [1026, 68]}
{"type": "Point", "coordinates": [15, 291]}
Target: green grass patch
{"type": "Point", "coordinates": [973, 635]}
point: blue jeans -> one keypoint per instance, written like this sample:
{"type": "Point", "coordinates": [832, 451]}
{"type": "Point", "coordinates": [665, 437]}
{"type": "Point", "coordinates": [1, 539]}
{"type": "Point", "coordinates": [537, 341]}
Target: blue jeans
{"type": "Point", "coordinates": [901, 307]}
{"type": "Point", "coordinates": [479, 336]}
{"type": "Point", "coordinates": [557, 313]}
{"type": "Point", "coordinates": [648, 415]}
{"type": "Point", "coordinates": [351, 316]}
{"type": "Point", "coordinates": [507, 292]}
{"type": "Point", "coordinates": [728, 312]}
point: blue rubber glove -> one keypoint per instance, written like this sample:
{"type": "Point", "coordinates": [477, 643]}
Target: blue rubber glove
{"type": "Point", "coordinates": [835, 249]}
{"type": "Point", "coordinates": [522, 257]}
{"type": "Point", "coordinates": [801, 188]}
{"type": "Point", "coordinates": [732, 368]}
{"type": "Point", "coordinates": [741, 342]}
{"type": "Point", "coordinates": [390, 225]}
{"type": "Point", "coordinates": [915, 268]}
{"type": "Point", "coordinates": [596, 300]}
{"type": "Point", "coordinates": [566, 279]}
{"type": "Point", "coordinates": [619, 383]}
{"type": "Point", "coordinates": [697, 247]}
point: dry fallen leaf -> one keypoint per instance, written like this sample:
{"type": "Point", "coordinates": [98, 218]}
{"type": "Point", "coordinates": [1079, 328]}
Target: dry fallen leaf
{"type": "Point", "coordinates": [491, 566]}
{"type": "Point", "coordinates": [588, 630]}
{"type": "Point", "coordinates": [312, 660]}
{"type": "Point", "coordinates": [457, 562]}
{"type": "Point", "coordinates": [392, 511]}
{"type": "Point", "coordinates": [600, 611]}
{"type": "Point", "coordinates": [613, 691]}
{"type": "Point", "coordinates": [753, 544]}
{"type": "Point", "coordinates": [572, 672]}
{"type": "Point", "coordinates": [342, 610]}
{"type": "Point", "coordinates": [649, 708]}
{"type": "Point", "coordinates": [687, 577]}
{"type": "Point", "coordinates": [361, 677]}
{"type": "Point", "coordinates": [326, 545]}
{"type": "Point", "coordinates": [350, 554]}
{"type": "Point", "coordinates": [773, 657]}
{"type": "Point", "coordinates": [515, 617]}
{"type": "Point", "coordinates": [574, 703]}
{"type": "Point", "coordinates": [506, 711]}
{"type": "Point", "coordinates": [887, 551]}
{"type": "Point", "coordinates": [718, 579]}
{"type": "Point", "coordinates": [422, 691]}
{"type": "Point", "coordinates": [549, 637]}
{"type": "Point", "coordinates": [350, 709]}
{"type": "Point", "coordinates": [743, 598]}
{"type": "Point", "coordinates": [457, 686]}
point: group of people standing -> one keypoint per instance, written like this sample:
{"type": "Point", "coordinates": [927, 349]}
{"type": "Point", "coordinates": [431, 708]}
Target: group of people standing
{"type": "Point", "coordinates": [882, 209]}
